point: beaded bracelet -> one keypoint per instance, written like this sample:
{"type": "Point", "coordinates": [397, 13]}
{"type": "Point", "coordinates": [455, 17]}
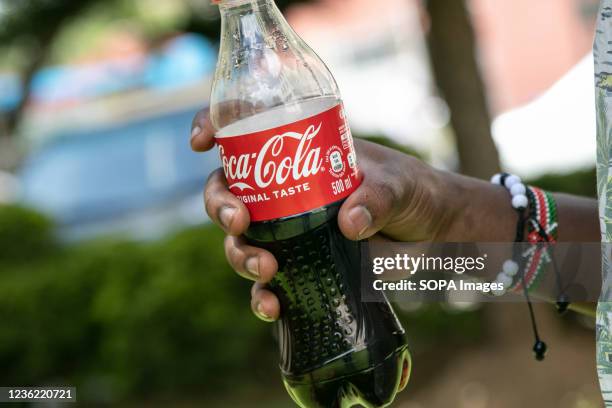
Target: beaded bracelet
{"type": "Point", "coordinates": [545, 230]}
{"type": "Point", "coordinates": [519, 201]}
{"type": "Point", "coordinates": [542, 228]}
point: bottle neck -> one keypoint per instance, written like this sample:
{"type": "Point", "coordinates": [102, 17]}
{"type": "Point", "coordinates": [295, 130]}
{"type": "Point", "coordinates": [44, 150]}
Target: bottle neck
{"type": "Point", "coordinates": [262, 64]}
{"type": "Point", "coordinates": [251, 25]}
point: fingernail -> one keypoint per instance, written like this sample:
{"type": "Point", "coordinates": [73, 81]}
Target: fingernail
{"type": "Point", "coordinates": [361, 219]}
{"type": "Point", "coordinates": [226, 215]}
{"type": "Point", "coordinates": [195, 131]}
{"type": "Point", "coordinates": [259, 312]}
{"type": "Point", "coordinates": [252, 266]}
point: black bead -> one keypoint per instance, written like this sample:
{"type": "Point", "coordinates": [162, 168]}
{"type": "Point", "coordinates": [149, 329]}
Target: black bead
{"type": "Point", "coordinates": [502, 179]}
{"type": "Point", "coordinates": [562, 304]}
{"type": "Point", "coordinates": [539, 349]}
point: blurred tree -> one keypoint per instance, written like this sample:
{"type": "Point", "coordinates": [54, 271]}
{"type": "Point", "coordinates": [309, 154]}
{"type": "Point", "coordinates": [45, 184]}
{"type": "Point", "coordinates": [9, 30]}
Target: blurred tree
{"type": "Point", "coordinates": [453, 57]}
{"type": "Point", "coordinates": [33, 25]}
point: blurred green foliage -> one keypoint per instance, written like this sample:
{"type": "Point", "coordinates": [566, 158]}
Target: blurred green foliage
{"type": "Point", "coordinates": [70, 27]}
{"type": "Point", "coordinates": [123, 320]}
{"type": "Point", "coordinates": [119, 318]}
{"type": "Point", "coordinates": [24, 233]}
{"type": "Point", "coordinates": [384, 141]}
{"type": "Point", "coordinates": [582, 182]}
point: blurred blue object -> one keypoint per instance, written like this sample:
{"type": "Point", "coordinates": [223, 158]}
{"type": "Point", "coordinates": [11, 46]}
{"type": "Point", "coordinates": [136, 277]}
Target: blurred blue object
{"type": "Point", "coordinates": [80, 83]}
{"type": "Point", "coordinates": [140, 178]}
{"type": "Point", "coordinates": [180, 62]}
{"type": "Point", "coordinates": [183, 61]}
{"type": "Point", "coordinates": [10, 92]}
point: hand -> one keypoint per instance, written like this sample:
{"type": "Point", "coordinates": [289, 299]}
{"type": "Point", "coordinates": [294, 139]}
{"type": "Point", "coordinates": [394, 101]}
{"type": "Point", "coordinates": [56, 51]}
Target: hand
{"type": "Point", "coordinates": [400, 198]}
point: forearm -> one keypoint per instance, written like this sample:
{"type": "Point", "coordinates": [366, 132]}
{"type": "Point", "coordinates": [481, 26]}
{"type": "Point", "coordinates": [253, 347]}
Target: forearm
{"type": "Point", "coordinates": [578, 218]}
{"type": "Point", "coordinates": [483, 213]}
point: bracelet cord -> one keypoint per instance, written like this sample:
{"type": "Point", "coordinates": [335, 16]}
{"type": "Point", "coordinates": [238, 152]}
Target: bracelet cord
{"type": "Point", "coordinates": [538, 212]}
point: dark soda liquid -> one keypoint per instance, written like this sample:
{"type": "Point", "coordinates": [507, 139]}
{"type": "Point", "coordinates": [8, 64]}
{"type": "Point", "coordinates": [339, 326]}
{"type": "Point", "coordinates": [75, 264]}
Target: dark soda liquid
{"type": "Point", "coordinates": [335, 351]}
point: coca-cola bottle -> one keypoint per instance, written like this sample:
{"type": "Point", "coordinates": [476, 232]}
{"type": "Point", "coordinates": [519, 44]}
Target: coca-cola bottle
{"type": "Point", "coordinates": [288, 154]}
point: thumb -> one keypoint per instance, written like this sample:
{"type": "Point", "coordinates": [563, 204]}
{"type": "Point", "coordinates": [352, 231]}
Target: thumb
{"type": "Point", "coordinates": [202, 132]}
{"type": "Point", "coordinates": [368, 209]}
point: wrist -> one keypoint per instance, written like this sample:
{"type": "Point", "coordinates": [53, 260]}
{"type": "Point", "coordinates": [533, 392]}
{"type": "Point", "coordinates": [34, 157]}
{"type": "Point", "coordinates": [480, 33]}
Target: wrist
{"type": "Point", "coordinates": [423, 210]}
{"type": "Point", "coordinates": [448, 191]}
{"type": "Point", "coordinates": [475, 211]}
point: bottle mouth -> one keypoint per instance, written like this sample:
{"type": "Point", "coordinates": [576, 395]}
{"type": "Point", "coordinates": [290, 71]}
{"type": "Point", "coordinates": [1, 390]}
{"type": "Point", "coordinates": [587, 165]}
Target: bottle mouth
{"type": "Point", "coordinates": [229, 3]}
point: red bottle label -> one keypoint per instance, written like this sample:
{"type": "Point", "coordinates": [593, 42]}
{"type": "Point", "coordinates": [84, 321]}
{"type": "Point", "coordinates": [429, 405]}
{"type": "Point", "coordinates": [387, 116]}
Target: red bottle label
{"type": "Point", "coordinates": [293, 168]}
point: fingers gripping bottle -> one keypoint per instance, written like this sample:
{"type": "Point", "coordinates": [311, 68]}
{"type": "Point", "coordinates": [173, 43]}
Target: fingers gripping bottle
{"type": "Point", "coordinates": [287, 153]}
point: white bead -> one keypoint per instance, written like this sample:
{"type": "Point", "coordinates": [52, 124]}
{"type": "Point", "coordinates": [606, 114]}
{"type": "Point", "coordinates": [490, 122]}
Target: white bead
{"type": "Point", "coordinates": [518, 189]}
{"type": "Point", "coordinates": [512, 180]}
{"type": "Point", "coordinates": [496, 179]}
{"type": "Point", "coordinates": [510, 268]}
{"type": "Point", "coordinates": [519, 201]}
{"type": "Point", "coordinates": [498, 292]}
{"type": "Point", "coordinates": [504, 280]}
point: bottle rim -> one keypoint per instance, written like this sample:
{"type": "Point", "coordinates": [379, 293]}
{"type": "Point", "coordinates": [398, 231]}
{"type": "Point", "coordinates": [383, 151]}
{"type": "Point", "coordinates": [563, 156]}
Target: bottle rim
{"type": "Point", "coordinates": [238, 2]}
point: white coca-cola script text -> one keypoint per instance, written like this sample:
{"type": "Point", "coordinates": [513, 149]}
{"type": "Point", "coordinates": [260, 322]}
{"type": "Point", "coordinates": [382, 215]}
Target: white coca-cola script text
{"type": "Point", "coordinates": [270, 166]}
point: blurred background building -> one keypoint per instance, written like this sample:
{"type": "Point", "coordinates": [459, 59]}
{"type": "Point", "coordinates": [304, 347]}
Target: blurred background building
{"type": "Point", "coordinates": [96, 102]}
